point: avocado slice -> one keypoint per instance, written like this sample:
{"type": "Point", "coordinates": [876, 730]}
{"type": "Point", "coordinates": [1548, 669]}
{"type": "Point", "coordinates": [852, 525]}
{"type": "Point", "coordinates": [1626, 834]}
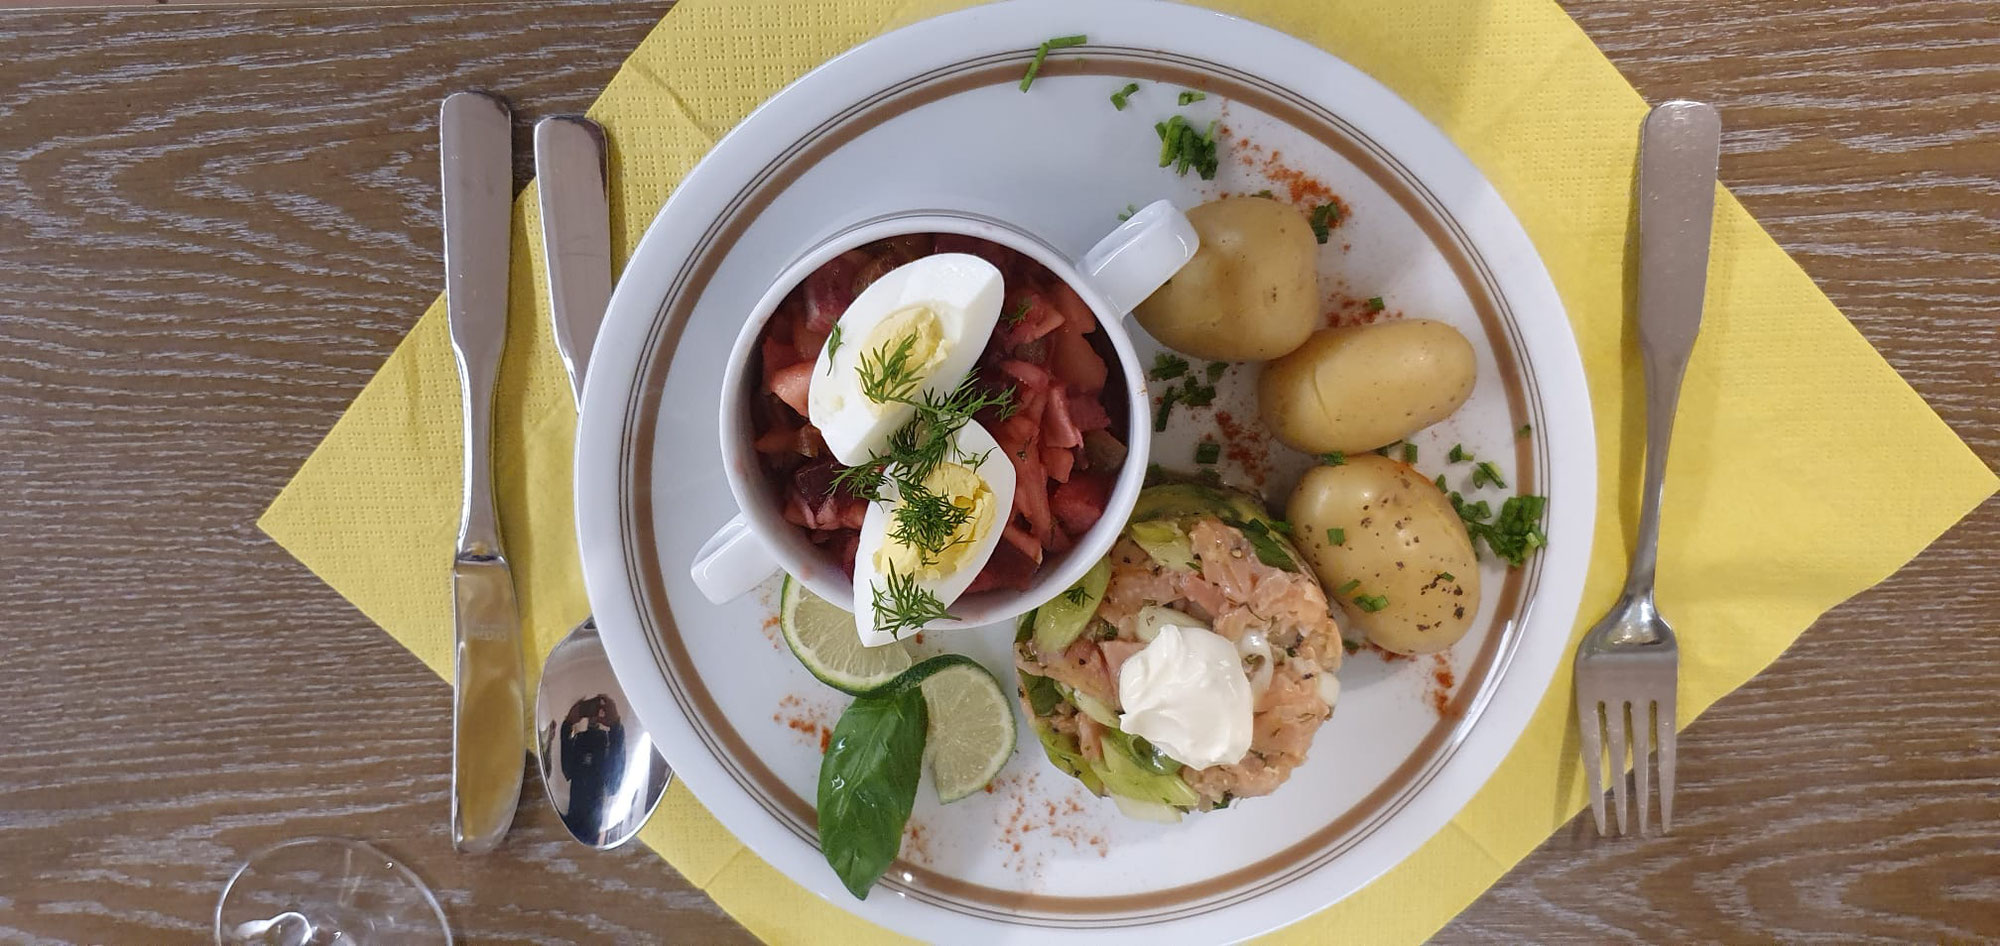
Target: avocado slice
{"type": "Point", "coordinates": [1062, 618]}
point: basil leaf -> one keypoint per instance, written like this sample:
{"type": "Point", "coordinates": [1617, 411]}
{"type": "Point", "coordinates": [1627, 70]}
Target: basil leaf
{"type": "Point", "coordinates": [867, 784]}
{"type": "Point", "coordinates": [1042, 693]}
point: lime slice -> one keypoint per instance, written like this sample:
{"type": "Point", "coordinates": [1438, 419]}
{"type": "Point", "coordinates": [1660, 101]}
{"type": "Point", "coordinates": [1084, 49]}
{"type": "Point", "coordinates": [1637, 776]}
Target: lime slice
{"type": "Point", "coordinates": [822, 636]}
{"type": "Point", "coordinates": [971, 729]}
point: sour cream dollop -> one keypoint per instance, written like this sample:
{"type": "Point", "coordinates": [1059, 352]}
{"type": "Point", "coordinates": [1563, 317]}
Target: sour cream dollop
{"type": "Point", "coordinates": [1186, 693]}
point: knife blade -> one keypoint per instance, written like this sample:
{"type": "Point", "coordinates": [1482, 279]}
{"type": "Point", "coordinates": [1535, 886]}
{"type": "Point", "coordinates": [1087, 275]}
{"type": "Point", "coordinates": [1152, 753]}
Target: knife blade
{"type": "Point", "coordinates": [576, 235]}
{"type": "Point", "coordinates": [489, 708]}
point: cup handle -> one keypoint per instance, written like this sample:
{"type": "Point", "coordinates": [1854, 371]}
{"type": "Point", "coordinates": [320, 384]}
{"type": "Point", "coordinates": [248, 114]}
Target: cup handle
{"type": "Point", "coordinates": [1138, 257]}
{"type": "Point", "coordinates": [732, 561]}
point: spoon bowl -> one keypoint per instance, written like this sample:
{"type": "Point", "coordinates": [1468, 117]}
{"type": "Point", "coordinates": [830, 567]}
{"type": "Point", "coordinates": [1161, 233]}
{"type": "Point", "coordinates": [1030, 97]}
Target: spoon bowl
{"type": "Point", "coordinates": [599, 766]}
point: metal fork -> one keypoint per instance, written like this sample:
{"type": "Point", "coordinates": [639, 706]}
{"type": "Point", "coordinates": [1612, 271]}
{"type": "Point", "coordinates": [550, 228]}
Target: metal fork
{"type": "Point", "coordinates": [1630, 662]}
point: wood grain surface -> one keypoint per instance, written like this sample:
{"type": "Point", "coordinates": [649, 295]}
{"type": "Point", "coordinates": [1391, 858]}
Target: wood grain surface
{"type": "Point", "coordinates": [216, 223]}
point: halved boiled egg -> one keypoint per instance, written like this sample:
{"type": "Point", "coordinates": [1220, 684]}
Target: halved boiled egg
{"type": "Point", "coordinates": [920, 550]}
{"type": "Point", "coordinates": [919, 329]}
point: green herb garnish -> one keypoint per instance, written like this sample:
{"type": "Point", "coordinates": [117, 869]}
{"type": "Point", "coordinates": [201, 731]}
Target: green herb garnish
{"type": "Point", "coordinates": [887, 375]}
{"type": "Point", "coordinates": [1042, 693]}
{"type": "Point", "coordinates": [868, 783]}
{"type": "Point", "coordinates": [1129, 210]}
{"type": "Point", "coordinates": [1485, 472]}
{"type": "Point", "coordinates": [1166, 407]}
{"type": "Point", "coordinates": [1458, 454]}
{"type": "Point", "coordinates": [1183, 148]}
{"type": "Point", "coordinates": [832, 345]}
{"type": "Point", "coordinates": [1336, 536]}
{"type": "Point", "coordinates": [1447, 576]}
{"type": "Point", "coordinates": [1334, 458]}
{"type": "Point", "coordinates": [900, 605]}
{"type": "Point", "coordinates": [1375, 304]}
{"type": "Point", "coordinates": [1196, 394]}
{"type": "Point", "coordinates": [1190, 96]}
{"type": "Point", "coordinates": [1015, 317]}
{"type": "Point", "coordinates": [927, 521]}
{"type": "Point", "coordinates": [1388, 448]}
{"type": "Point", "coordinates": [1349, 585]}
{"type": "Point", "coordinates": [1167, 367]}
{"type": "Point", "coordinates": [1267, 547]}
{"type": "Point", "coordinates": [1215, 370]}
{"type": "Point", "coordinates": [1323, 219]}
{"type": "Point", "coordinates": [1409, 452]}
{"type": "Point", "coordinates": [1440, 484]}
{"type": "Point", "coordinates": [1042, 52]}
{"type": "Point", "coordinates": [1207, 452]}
{"type": "Point", "coordinates": [1371, 603]}
{"type": "Point", "coordinates": [1524, 432]}
{"type": "Point", "coordinates": [1077, 595]}
{"type": "Point", "coordinates": [1118, 98]}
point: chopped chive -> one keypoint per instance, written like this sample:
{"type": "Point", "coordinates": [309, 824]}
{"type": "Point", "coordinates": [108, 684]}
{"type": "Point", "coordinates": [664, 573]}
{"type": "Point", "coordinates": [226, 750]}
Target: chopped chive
{"type": "Point", "coordinates": [1127, 214]}
{"type": "Point", "coordinates": [1042, 52]}
{"type": "Point", "coordinates": [1371, 603]}
{"type": "Point", "coordinates": [1196, 394]}
{"type": "Point", "coordinates": [1375, 304]}
{"type": "Point", "coordinates": [1281, 527]}
{"type": "Point", "coordinates": [1409, 452]}
{"type": "Point", "coordinates": [1322, 220]}
{"type": "Point", "coordinates": [1207, 452]}
{"type": "Point", "coordinates": [1166, 407]}
{"type": "Point", "coordinates": [1334, 458]}
{"type": "Point", "coordinates": [1352, 583]}
{"type": "Point", "coordinates": [1336, 536]}
{"type": "Point", "coordinates": [1440, 483]}
{"type": "Point", "coordinates": [1118, 98]}
{"type": "Point", "coordinates": [1458, 454]}
{"type": "Point", "coordinates": [1526, 429]}
{"type": "Point", "coordinates": [1167, 367]}
{"type": "Point", "coordinates": [1388, 448]}
{"type": "Point", "coordinates": [1447, 576]}
{"type": "Point", "coordinates": [1485, 472]}
{"type": "Point", "coordinates": [1190, 96]}
{"type": "Point", "coordinates": [1216, 369]}
{"type": "Point", "coordinates": [1266, 192]}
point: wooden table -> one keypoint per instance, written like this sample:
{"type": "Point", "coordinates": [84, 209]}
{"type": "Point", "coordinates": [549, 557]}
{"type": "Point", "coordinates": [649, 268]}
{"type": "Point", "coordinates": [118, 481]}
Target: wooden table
{"type": "Point", "coordinates": [215, 223]}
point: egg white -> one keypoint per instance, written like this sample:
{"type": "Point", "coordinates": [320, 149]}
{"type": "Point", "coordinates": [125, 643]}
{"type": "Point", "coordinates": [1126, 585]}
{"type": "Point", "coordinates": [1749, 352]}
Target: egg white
{"type": "Point", "coordinates": [963, 290]}
{"type": "Point", "coordinates": [974, 443]}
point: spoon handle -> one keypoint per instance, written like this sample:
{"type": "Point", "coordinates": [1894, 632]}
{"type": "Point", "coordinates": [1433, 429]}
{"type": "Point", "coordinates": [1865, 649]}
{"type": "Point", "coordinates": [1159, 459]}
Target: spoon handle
{"type": "Point", "coordinates": [1678, 149]}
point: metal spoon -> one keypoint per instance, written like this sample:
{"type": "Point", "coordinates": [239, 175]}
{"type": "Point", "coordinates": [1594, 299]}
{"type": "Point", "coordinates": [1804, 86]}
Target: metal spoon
{"type": "Point", "coordinates": [603, 775]}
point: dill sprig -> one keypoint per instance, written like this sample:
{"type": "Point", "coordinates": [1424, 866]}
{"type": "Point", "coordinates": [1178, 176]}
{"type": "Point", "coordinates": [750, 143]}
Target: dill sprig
{"type": "Point", "coordinates": [900, 605]}
{"type": "Point", "coordinates": [887, 375]}
{"type": "Point", "coordinates": [927, 521]}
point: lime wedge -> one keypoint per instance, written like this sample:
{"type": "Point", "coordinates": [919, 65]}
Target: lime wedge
{"type": "Point", "coordinates": [971, 729]}
{"type": "Point", "coordinates": [823, 637]}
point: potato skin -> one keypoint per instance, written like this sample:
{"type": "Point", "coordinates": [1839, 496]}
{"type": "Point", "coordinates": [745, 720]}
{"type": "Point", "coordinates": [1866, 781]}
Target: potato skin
{"type": "Point", "coordinates": [1401, 538]}
{"type": "Point", "coordinates": [1360, 387]}
{"type": "Point", "coordinates": [1251, 293]}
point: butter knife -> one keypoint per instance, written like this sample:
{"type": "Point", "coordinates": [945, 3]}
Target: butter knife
{"type": "Point", "coordinates": [489, 741]}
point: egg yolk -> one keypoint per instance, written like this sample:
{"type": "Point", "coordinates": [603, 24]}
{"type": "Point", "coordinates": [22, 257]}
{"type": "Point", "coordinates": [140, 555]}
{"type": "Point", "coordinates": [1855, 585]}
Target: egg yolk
{"type": "Point", "coordinates": [965, 489]}
{"type": "Point", "coordinates": [922, 328]}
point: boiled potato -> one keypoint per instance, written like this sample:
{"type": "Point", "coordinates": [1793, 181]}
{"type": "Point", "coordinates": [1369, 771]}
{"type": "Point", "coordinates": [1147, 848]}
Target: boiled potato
{"type": "Point", "coordinates": [1251, 293]}
{"type": "Point", "coordinates": [1400, 540]}
{"type": "Point", "coordinates": [1360, 387]}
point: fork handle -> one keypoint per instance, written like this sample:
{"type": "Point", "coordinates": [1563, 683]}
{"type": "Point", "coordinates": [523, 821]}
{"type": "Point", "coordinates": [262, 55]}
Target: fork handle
{"type": "Point", "coordinates": [1678, 149]}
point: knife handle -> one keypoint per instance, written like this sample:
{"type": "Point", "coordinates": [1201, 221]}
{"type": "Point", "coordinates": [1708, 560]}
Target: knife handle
{"type": "Point", "coordinates": [476, 142]}
{"type": "Point", "coordinates": [576, 235]}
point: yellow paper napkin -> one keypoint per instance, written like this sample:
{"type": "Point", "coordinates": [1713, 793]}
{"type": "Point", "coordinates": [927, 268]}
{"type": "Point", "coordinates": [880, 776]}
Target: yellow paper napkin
{"type": "Point", "coordinates": [1758, 528]}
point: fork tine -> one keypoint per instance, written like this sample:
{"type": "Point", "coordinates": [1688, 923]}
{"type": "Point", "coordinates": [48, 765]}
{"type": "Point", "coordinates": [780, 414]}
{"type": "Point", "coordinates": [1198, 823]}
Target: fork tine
{"type": "Point", "coordinates": [1614, 718]}
{"type": "Point", "coordinates": [1590, 733]}
{"type": "Point", "coordinates": [1666, 732]}
{"type": "Point", "coordinates": [1642, 729]}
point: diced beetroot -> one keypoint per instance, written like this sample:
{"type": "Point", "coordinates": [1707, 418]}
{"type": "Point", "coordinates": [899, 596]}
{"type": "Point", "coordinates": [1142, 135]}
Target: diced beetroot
{"type": "Point", "coordinates": [1058, 461]}
{"type": "Point", "coordinates": [1075, 312]}
{"type": "Point", "coordinates": [1080, 502]}
{"type": "Point", "coordinates": [849, 544]}
{"type": "Point", "coordinates": [830, 289]}
{"type": "Point", "coordinates": [1022, 542]}
{"type": "Point", "coordinates": [1102, 451]}
{"type": "Point", "coordinates": [1059, 541]}
{"type": "Point", "coordinates": [1008, 568]}
{"type": "Point", "coordinates": [778, 355]}
{"type": "Point", "coordinates": [1075, 362]}
{"type": "Point", "coordinates": [1087, 413]}
{"type": "Point", "coordinates": [1040, 319]}
{"type": "Point", "coordinates": [792, 383]}
{"type": "Point", "coordinates": [1031, 493]}
{"type": "Point", "coordinates": [1057, 428]}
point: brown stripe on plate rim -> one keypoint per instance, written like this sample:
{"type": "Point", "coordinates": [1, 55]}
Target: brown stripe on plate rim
{"type": "Point", "coordinates": [647, 576]}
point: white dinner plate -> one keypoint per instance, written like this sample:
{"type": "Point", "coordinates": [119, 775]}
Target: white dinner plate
{"type": "Point", "coordinates": [931, 117]}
